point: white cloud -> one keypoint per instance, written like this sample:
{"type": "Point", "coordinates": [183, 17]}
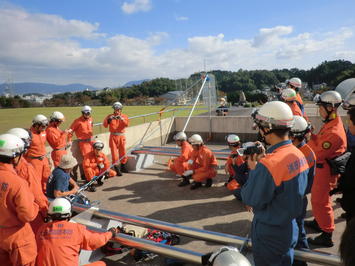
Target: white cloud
{"type": "Point", "coordinates": [181, 18]}
{"type": "Point", "coordinates": [136, 6]}
{"type": "Point", "coordinates": [47, 48]}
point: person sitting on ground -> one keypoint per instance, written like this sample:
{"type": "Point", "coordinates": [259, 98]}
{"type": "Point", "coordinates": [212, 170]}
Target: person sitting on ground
{"type": "Point", "coordinates": [59, 241]}
{"type": "Point", "coordinates": [202, 164]}
{"type": "Point", "coordinates": [95, 163]}
{"type": "Point", "coordinates": [179, 164]}
{"type": "Point", "coordinates": [60, 184]}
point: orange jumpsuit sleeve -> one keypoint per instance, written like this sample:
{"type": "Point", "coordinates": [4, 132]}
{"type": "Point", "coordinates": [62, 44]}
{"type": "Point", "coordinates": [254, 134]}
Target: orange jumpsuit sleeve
{"type": "Point", "coordinates": [56, 138]}
{"type": "Point", "coordinates": [125, 121]}
{"type": "Point", "coordinates": [26, 208]}
{"type": "Point", "coordinates": [321, 147]}
{"type": "Point", "coordinates": [92, 240]}
{"type": "Point", "coordinates": [105, 123]}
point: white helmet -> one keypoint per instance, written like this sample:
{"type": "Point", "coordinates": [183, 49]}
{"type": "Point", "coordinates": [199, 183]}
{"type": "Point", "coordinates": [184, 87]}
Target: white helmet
{"type": "Point", "coordinates": [57, 117]}
{"type": "Point", "coordinates": [223, 99]}
{"type": "Point", "coordinates": [98, 145]}
{"type": "Point", "coordinates": [332, 98]}
{"type": "Point", "coordinates": [295, 82]}
{"type": "Point", "coordinates": [180, 136]}
{"type": "Point", "coordinates": [60, 208]}
{"type": "Point", "coordinates": [86, 109]}
{"type": "Point", "coordinates": [300, 127]}
{"type": "Point", "coordinates": [228, 256]}
{"type": "Point", "coordinates": [349, 103]}
{"type": "Point", "coordinates": [40, 120]}
{"type": "Point", "coordinates": [288, 95]}
{"type": "Point", "coordinates": [233, 139]}
{"type": "Point", "coordinates": [274, 115]}
{"type": "Point", "coordinates": [117, 106]}
{"type": "Point", "coordinates": [23, 134]}
{"type": "Point", "coordinates": [196, 139]}
{"type": "Point", "coordinates": [11, 146]}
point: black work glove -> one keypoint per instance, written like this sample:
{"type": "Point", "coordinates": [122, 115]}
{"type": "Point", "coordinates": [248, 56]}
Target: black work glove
{"type": "Point", "coordinates": [109, 120]}
{"type": "Point", "coordinates": [113, 230]}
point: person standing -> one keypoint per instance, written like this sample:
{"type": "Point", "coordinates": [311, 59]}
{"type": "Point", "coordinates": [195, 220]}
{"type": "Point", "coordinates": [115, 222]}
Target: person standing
{"type": "Point", "coordinates": [57, 138]}
{"type": "Point", "coordinates": [36, 153]}
{"type": "Point", "coordinates": [329, 143]}
{"type": "Point", "coordinates": [347, 180]}
{"type": "Point", "coordinates": [26, 171]}
{"type": "Point", "coordinates": [117, 122]}
{"type": "Point", "coordinates": [179, 164]}
{"type": "Point", "coordinates": [17, 207]}
{"type": "Point", "coordinates": [275, 187]}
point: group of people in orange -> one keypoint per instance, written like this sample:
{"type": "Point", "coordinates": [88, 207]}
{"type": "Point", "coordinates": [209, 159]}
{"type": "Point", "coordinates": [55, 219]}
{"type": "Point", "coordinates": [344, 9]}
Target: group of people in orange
{"type": "Point", "coordinates": [319, 149]}
{"type": "Point", "coordinates": [26, 184]}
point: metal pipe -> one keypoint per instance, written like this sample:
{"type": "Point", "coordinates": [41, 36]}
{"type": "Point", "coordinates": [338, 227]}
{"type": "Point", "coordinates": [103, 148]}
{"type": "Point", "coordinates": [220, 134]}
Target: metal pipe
{"type": "Point", "coordinates": [304, 255]}
{"type": "Point", "coordinates": [162, 249]}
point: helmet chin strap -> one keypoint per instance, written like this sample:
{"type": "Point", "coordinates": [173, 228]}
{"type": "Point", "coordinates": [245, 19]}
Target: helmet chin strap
{"type": "Point", "coordinates": [327, 119]}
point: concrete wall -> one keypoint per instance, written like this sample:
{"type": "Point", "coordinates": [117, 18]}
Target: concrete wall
{"type": "Point", "coordinates": [224, 125]}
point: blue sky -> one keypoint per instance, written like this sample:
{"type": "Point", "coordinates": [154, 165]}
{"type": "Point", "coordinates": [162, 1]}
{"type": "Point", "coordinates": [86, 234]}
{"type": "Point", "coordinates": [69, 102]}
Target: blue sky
{"type": "Point", "coordinates": [110, 42]}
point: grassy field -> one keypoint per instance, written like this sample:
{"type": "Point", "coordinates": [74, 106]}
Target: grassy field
{"type": "Point", "coordinates": [22, 117]}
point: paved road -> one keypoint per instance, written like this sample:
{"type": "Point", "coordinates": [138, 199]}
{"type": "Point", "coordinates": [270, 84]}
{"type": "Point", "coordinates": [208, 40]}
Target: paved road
{"type": "Point", "coordinates": [153, 193]}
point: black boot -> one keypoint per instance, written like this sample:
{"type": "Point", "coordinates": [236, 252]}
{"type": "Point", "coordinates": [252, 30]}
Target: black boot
{"type": "Point", "coordinates": [124, 168]}
{"type": "Point", "coordinates": [185, 181]}
{"type": "Point", "coordinates": [208, 182]}
{"type": "Point", "coordinates": [313, 224]}
{"type": "Point", "coordinates": [229, 179]}
{"type": "Point", "coordinates": [195, 185]}
{"type": "Point", "coordinates": [324, 240]}
{"type": "Point", "coordinates": [100, 181]}
{"type": "Point", "coordinates": [118, 170]}
{"type": "Point", "coordinates": [92, 188]}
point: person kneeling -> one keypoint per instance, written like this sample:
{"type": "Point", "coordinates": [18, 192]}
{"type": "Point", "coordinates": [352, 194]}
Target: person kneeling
{"type": "Point", "coordinates": [60, 241]}
{"type": "Point", "coordinates": [95, 163]}
{"type": "Point", "coordinates": [202, 164]}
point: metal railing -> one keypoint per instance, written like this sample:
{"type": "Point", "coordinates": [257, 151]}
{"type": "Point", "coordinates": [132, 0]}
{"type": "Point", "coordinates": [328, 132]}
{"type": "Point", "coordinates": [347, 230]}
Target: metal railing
{"type": "Point", "coordinates": [144, 116]}
{"type": "Point", "coordinates": [300, 254]}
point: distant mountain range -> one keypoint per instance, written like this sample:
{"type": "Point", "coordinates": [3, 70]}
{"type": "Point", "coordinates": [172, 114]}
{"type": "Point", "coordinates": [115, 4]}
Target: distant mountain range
{"type": "Point", "coordinates": [134, 82]}
{"type": "Point", "coordinates": [44, 88]}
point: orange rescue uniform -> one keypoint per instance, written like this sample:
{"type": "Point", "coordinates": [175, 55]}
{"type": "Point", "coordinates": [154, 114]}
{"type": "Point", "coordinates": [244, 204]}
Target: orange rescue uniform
{"type": "Point", "coordinates": [179, 164]}
{"type": "Point", "coordinates": [330, 142]}
{"type": "Point", "coordinates": [296, 110]}
{"type": "Point", "coordinates": [117, 137]}
{"type": "Point", "coordinates": [17, 209]}
{"type": "Point", "coordinates": [36, 155]}
{"type": "Point", "coordinates": [83, 131]}
{"type": "Point", "coordinates": [230, 161]}
{"type": "Point", "coordinates": [57, 139]}
{"type": "Point", "coordinates": [26, 171]}
{"type": "Point", "coordinates": [92, 163]}
{"type": "Point", "coordinates": [60, 242]}
{"type": "Point", "coordinates": [204, 163]}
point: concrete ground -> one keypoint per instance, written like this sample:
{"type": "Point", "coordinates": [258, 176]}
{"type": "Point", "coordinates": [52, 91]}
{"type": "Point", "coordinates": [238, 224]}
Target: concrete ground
{"type": "Point", "coordinates": [153, 193]}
